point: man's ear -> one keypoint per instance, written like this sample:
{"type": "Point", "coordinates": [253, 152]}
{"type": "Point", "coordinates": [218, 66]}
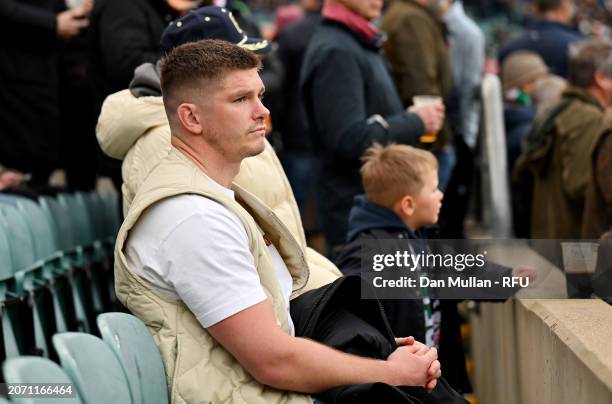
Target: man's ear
{"type": "Point", "coordinates": [187, 115]}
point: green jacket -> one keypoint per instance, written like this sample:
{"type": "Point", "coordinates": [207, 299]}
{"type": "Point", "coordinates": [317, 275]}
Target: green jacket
{"type": "Point", "coordinates": [417, 52]}
{"type": "Point", "coordinates": [560, 164]}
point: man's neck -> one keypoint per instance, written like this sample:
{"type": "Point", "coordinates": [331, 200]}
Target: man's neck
{"type": "Point", "coordinates": [211, 163]}
{"type": "Point", "coordinates": [556, 16]}
{"type": "Point", "coordinates": [599, 95]}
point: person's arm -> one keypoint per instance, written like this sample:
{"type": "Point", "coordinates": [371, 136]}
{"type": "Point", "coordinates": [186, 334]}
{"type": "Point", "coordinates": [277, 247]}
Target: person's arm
{"type": "Point", "coordinates": [335, 101]}
{"type": "Point", "coordinates": [206, 260]}
{"type": "Point", "coordinates": [298, 364]}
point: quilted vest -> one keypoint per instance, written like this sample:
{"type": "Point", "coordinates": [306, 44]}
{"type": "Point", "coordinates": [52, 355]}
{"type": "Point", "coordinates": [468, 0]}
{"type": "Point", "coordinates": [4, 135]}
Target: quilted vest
{"type": "Point", "coordinates": [198, 368]}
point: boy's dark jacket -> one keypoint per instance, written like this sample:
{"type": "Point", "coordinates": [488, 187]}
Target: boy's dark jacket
{"type": "Point", "coordinates": [371, 223]}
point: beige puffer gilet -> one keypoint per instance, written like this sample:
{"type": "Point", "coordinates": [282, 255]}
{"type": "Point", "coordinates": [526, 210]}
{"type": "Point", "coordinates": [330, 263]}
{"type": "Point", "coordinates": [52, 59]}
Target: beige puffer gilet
{"type": "Point", "coordinates": [197, 367]}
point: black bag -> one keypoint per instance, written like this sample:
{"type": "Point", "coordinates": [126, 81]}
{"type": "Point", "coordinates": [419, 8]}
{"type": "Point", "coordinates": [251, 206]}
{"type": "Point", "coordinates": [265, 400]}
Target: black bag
{"type": "Point", "coordinates": [338, 316]}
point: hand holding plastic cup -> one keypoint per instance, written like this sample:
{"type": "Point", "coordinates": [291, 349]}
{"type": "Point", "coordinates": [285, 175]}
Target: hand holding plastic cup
{"type": "Point", "coordinates": [419, 100]}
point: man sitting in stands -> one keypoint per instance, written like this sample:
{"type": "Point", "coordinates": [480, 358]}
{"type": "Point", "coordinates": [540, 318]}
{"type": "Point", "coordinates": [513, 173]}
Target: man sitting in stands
{"type": "Point", "coordinates": [210, 269]}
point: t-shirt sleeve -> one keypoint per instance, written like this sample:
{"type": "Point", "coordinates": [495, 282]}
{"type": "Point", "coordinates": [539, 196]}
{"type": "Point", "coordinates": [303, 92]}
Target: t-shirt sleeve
{"type": "Point", "coordinates": [210, 265]}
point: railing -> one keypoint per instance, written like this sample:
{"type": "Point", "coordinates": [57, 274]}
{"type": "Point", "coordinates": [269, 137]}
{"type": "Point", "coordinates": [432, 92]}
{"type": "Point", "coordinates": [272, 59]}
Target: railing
{"type": "Point", "coordinates": [496, 193]}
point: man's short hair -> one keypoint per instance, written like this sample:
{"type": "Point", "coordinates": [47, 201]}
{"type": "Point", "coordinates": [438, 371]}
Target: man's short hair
{"type": "Point", "coordinates": [543, 6]}
{"type": "Point", "coordinates": [198, 63]}
{"type": "Point", "coordinates": [391, 172]}
{"type": "Point", "coordinates": [588, 58]}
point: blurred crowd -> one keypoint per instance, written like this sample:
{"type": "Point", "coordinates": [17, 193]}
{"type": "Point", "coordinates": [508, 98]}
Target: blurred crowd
{"type": "Point", "coordinates": [61, 59]}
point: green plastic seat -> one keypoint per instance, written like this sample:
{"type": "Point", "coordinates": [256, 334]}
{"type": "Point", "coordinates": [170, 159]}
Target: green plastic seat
{"type": "Point", "coordinates": [104, 233]}
{"type": "Point", "coordinates": [45, 241]}
{"type": "Point", "coordinates": [111, 203]}
{"type": "Point", "coordinates": [28, 278]}
{"type": "Point", "coordinates": [22, 245]}
{"type": "Point", "coordinates": [81, 227]}
{"type": "Point", "coordinates": [97, 217]}
{"type": "Point", "coordinates": [60, 215]}
{"type": "Point", "coordinates": [133, 344]}
{"type": "Point", "coordinates": [7, 287]}
{"type": "Point", "coordinates": [102, 274]}
{"type": "Point", "coordinates": [75, 260]}
{"type": "Point", "coordinates": [32, 369]}
{"type": "Point", "coordinates": [93, 367]}
{"type": "Point", "coordinates": [47, 249]}
{"type": "Point", "coordinates": [82, 230]}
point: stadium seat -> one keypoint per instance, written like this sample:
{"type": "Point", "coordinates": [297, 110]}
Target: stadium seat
{"type": "Point", "coordinates": [45, 241]}
{"type": "Point", "coordinates": [111, 203]}
{"type": "Point", "coordinates": [102, 262]}
{"type": "Point", "coordinates": [22, 244]}
{"type": "Point", "coordinates": [47, 249]}
{"type": "Point", "coordinates": [61, 217]}
{"type": "Point", "coordinates": [7, 287]}
{"type": "Point", "coordinates": [32, 369]}
{"type": "Point", "coordinates": [75, 261]}
{"type": "Point", "coordinates": [28, 277]}
{"type": "Point", "coordinates": [133, 344]}
{"type": "Point", "coordinates": [84, 238]}
{"type": "Point", "coordinates": [94, 369]}
{"type": "Point", "coordinates": [79, 218]}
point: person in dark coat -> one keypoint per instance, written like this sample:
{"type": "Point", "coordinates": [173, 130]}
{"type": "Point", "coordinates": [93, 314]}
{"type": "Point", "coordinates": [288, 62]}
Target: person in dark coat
{"type": "Point", "coordinates": [550, 35]}
{"type": "Point", "coordinates": [123, 36]}
{"type": "Point", "coordinates": [350, 102]}
{"type": "Point", "coordinates": [29, 117]}
{"type": "Point", "coordinates": [79, 150]}
{"type": "Point", "coordinates": [297, 154]}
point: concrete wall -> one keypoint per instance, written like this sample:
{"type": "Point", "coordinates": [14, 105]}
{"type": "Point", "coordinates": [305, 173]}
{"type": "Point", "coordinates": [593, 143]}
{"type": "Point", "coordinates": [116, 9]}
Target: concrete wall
{"type": "Point", "coordinates": [543, 352]}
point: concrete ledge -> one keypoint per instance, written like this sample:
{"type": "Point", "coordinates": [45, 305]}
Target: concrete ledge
{"type": "Point", "coordinates": [543, 351]}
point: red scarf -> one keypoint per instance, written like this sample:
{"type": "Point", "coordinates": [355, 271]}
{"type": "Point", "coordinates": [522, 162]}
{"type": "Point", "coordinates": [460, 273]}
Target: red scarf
{"type": "Point", "coordinates": [355, 22]}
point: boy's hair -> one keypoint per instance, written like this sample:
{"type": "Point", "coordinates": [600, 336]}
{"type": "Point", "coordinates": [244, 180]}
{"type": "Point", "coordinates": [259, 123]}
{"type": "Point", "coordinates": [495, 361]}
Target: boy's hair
{"type": "Point", "coordinates": [189, 66]}
{"type": "Point", "coordinates": [391, 172]}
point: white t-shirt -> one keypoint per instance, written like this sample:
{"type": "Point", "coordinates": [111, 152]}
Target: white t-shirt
{"type": "Point", "coordinates": [192, 248]}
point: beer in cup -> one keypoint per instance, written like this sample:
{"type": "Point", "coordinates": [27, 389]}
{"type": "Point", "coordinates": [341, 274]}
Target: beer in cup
{"type": "Point", "coordinates": [425, 100]}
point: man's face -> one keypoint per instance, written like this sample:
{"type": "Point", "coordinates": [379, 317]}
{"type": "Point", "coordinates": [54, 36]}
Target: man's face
{"type": "Point", "coordinates": [368, 9]}
{"type": "Point", "coordinates": [234, 117]}
{"type": "Point", "coordinates": [568, 8]}
{"type": "Point", "coordinates": [429, 201]}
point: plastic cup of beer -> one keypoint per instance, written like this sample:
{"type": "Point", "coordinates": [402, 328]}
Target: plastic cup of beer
{"type": "Point", "coordinates": [426, 100]}
{"type": "Point", "coordinates": [580, 262]}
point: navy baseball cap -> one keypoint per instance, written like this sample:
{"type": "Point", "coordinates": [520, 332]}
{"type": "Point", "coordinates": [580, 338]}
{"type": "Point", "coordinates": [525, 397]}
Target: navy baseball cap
{"type": "Point", "coordinates": [210, 22]}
